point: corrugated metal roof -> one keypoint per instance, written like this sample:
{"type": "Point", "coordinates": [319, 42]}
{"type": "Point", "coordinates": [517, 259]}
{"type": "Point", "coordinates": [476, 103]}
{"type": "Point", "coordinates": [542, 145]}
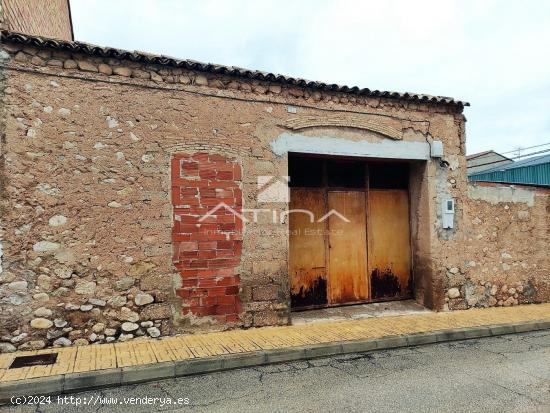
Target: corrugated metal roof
{"type": "Point", "coordinates": [531, 171]}
{"type": "Point", "coordinates": [91, 49]}
{"type": "Point", "coordinates": [535, 160]}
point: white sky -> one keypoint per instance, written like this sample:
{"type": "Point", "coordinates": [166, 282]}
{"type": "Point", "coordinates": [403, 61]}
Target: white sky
{"type": "Point", "coordinates": [494, 54]}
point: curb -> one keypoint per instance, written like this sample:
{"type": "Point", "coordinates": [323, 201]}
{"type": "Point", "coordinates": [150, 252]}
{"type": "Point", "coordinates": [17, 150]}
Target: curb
{"type": "Point", "coordinates": [74, 382]}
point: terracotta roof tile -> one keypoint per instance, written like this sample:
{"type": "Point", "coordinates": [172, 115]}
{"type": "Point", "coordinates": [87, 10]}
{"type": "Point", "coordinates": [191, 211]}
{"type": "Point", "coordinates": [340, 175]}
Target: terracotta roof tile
{"type": "Point", "coordinates": [87, 48]}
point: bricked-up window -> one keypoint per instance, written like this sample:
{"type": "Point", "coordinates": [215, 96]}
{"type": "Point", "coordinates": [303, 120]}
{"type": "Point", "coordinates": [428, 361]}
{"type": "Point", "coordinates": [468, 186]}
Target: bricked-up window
{"type": "Point", "coordinates": [207, 234]}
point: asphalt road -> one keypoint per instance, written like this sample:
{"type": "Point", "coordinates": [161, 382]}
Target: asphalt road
{"type": "Point", "coordinates": [500, 374]}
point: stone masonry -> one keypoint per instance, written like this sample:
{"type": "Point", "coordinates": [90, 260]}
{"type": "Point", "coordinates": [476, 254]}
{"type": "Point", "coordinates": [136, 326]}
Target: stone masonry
{"type": "Point", "coordinates": [506, 260]}
{"type": "Point", "coordinates": [107, 161]}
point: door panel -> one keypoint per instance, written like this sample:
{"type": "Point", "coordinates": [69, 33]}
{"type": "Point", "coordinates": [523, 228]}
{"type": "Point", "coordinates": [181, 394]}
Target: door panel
{"type": "Point", "coordinates": [389, 244]}
{"type": "Point", "coordinates": [347, 248]}
{"type": "Point", "coordinates": [308, 275]}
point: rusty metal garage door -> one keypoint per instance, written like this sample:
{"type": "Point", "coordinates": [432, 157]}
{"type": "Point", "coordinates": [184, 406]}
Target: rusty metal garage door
{"type": "Point", "coordinates": [347, 243]}
{"type": "Point", "coordinates": [349, 233]}
{"type": "Point", "coordinates": [308, 268]}
{"type": "Point", "coordinates": [389, 244]}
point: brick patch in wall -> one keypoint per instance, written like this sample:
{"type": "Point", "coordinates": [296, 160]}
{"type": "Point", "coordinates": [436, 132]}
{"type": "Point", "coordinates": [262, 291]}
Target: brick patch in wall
{"type": "Point", "coordinates": [207, 251]}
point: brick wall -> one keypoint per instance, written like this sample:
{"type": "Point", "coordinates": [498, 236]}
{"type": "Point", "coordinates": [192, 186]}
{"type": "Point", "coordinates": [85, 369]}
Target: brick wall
{"type": "Point", "coordinates": [207, 234]}
{"type": "Point", "coordinates": [49, 18]}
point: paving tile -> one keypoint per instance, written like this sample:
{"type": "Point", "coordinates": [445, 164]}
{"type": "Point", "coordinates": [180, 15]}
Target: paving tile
{"type": "Point", "coordinates": [161, 350]}
{"type": "Point", "coordinates": [15, 374]}
{"type": "Point", "coordinates": [39, 371]}
{"type": "Point", "coordinates": [6, 359]}
{"type": "Point", "coordinates": [282, 343]}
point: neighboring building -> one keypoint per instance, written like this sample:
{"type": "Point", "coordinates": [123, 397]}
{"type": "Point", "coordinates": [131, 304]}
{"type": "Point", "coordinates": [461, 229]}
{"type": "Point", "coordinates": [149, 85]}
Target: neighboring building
{"type": "Point", "coordinates": [530, 171]}
{"type": "Point", "coordinates": [144, 193]}
{"type": "Point", "coordinates": [482, 161]}
{"type": "Point", "coordinates": [48, 18]}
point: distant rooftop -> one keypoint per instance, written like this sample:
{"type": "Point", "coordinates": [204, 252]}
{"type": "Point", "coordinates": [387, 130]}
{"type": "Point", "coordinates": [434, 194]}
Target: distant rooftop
{"type": "Point", "coordinates": [480, 154]}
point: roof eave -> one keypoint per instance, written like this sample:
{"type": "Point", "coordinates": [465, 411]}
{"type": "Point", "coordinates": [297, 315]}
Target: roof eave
{"type": "Point", "coordinates": [91, 49]}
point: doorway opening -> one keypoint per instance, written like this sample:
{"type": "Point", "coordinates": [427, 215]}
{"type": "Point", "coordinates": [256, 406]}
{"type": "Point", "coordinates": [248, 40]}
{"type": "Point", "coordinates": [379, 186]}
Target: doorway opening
{"type": "Point", "coordinates": [349, 239]}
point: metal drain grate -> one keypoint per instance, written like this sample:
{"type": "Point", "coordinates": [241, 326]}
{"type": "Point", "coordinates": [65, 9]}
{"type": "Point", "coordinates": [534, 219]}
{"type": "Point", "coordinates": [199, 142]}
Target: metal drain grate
{"type": "Point", "coordinates": [36, 360]}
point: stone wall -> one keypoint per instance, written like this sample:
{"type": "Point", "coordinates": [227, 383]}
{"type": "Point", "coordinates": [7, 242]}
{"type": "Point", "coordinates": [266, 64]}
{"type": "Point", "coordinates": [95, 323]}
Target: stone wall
{"type": "Point", "coordinates": [89, 216]}
{"type": "Point", "coordinates": [506, 257]}
{"type": "Point", "coordinates": [49, 18]}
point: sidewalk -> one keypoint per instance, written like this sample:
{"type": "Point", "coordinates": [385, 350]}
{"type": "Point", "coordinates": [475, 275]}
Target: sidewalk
{"type": "Point", "coordinates": [86, 367]}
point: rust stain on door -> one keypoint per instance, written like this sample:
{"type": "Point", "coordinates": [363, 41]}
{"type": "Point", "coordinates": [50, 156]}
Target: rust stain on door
{"type": "Point", "coordinates": [389, 244]}
{"type": "Point", "coordinates": [347, 247]}
{"type": "Point", "coordinates": [308, 276]}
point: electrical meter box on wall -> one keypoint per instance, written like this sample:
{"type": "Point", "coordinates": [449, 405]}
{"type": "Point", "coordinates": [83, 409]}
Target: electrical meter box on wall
{"type": "Point", "coordinates": [436, 149]}
{"type": "Point", "coordinates": [448, 213]}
